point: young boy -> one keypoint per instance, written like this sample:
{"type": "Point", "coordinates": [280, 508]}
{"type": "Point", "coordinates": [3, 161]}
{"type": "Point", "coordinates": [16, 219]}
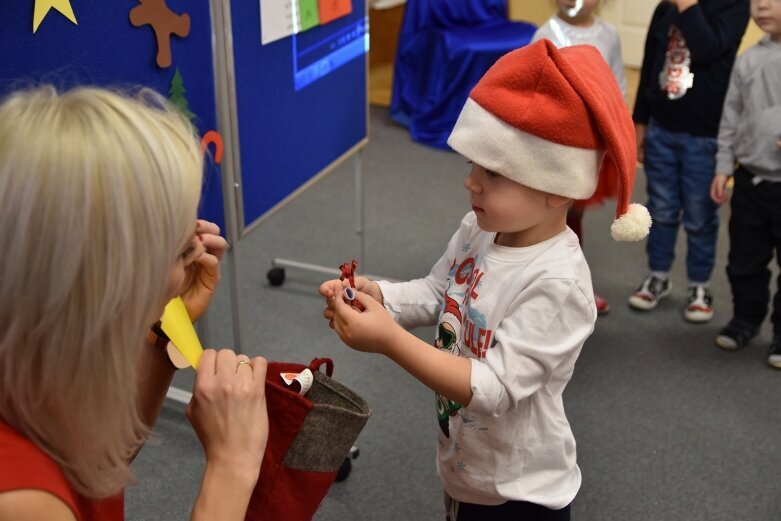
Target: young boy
{"type": "Point", "coordinates": [689, 52]}
{"type": "Point", "coordinates": [749, 135]}
{"type": "Point", "coordinates": [512, 295]}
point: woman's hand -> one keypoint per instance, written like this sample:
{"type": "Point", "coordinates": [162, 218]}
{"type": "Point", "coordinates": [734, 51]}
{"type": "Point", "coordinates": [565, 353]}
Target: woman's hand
{"type": "Point", "coordinates": [371, 330]}
{"type": "Point", "coordinates": [228, 409]}
{"type": "Point", "coordinates": [203, 275]}
{"type": "Point", "coordinates": [228, 413]}
{"type": "Point", "coordinates": [331, 288]}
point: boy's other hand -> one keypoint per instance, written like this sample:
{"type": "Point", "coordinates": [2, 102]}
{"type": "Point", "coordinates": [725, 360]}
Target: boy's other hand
{"type": "Point", "coordinates": [718, 190]}
{"type": "Point", "coordinates": [371, 330]}
{"type": "Point", "coordinates": [640, 135]}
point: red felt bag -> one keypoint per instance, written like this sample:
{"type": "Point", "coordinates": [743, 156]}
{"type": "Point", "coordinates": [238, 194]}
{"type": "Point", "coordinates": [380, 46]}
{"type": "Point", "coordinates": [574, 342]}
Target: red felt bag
{"type": "Point", "coordinates": [309, 438]}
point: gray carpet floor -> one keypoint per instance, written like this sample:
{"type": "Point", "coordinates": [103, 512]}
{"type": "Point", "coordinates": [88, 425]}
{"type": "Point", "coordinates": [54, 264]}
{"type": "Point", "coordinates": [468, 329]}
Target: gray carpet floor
{"type": "Point", "coordinates": [668, 426]}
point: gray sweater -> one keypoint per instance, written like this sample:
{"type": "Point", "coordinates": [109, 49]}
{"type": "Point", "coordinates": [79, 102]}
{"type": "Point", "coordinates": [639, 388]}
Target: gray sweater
{"type": "Point", "coordinates": [750, 124]}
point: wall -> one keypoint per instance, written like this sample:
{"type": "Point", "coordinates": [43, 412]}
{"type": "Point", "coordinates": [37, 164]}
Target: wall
{"type": "Point", "coordinates": [535, 11]}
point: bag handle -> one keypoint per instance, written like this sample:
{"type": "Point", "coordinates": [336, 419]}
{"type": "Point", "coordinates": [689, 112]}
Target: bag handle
{"type": "Point", "coordinates": [318, 362]}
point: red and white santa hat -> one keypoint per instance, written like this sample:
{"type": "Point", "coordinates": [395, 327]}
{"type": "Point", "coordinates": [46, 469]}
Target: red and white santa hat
{"type": "Point", "coordinates": [554, 120]}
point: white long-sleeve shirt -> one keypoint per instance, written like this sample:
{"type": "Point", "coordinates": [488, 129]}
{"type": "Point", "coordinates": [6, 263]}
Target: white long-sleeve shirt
{"type": "Point", "coordinates": [600, 34]}
{"type": "Point", "coordinates": [521, 315]}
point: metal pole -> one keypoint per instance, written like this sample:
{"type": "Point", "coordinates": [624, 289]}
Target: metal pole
{"type": "Point", "coordinates": [359, 208]}
{"type": "Point", "coordinates": [224, 84]}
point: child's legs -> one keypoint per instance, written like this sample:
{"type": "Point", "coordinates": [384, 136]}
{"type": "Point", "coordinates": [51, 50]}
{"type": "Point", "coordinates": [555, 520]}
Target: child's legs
{"type": "Point", "coordinates": [772, 196]}
{"type": "Point", "coordinates": [510, 511]}
{"type": "Point", "coordinates": [751, 248]}
{"type": "Point", "coordinates": [700, 213]}
{"type": "Point", "coordinates": [662, 170]}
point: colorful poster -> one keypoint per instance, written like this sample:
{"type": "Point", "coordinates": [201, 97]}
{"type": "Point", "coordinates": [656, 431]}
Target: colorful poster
{"type": "Point", "coordinates": [310, 14]}
{"type": "Point", "coordinates": [282, 18]}
{"type": "Point", "coordinates": [331, 10]}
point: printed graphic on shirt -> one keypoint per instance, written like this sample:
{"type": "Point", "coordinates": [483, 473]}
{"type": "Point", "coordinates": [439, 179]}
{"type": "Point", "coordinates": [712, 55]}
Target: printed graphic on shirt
{"type": "Point", "coordinates": [676, 77]}
{"type": "Point", "coordinates": [448, 332]}
{"type": "Point", "coordinates": [455, 331]}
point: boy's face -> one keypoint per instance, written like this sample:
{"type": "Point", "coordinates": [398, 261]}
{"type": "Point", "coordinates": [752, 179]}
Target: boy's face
{"type": "Point", "coordinates": [767, 15]}
{"type": "Point", "coordinates": [502, 205]}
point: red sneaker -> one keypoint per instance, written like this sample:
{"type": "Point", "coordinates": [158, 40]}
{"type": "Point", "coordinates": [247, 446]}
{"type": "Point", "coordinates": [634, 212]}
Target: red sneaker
{"type": "Point", "coordinates": [602, 306]}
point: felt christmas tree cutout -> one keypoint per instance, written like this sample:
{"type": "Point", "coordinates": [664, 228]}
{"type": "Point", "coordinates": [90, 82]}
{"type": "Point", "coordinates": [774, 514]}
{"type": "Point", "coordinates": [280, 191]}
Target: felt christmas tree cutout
{"type": "Point", "coordinates": [176, 95]}
{"type": "Point", "coordinates": [164, 23]}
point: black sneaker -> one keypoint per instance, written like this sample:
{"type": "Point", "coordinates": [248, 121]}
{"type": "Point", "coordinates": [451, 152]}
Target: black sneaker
{"type": "Point", "coordinates": [736, 335]}
{"type": "Point", "coordinates": [774, 353]}
{"type": "Point", "coordinates": [699, 306]}
{"type": "Point", "coordinates": [650, 292]}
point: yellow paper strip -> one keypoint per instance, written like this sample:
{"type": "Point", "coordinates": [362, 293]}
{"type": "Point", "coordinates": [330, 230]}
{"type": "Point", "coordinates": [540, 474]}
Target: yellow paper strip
{"type": "Point", "coordinates": [177, 325]}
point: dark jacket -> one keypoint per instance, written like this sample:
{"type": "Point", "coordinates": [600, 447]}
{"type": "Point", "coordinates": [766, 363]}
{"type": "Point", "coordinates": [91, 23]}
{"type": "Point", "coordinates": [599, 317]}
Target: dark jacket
{"type": "Point", "coordinates": [713, 30]}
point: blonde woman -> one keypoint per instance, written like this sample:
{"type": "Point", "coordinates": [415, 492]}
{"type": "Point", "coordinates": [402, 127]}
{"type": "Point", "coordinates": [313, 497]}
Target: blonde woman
{"type": "Point", "coordinates": [98, 199]}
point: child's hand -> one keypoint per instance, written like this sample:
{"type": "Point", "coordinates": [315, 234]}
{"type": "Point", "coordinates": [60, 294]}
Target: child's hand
{"type": "Point", "coordinates": [331, 288]}
{"type": "Point", "coordinates": [371, 330]}
{"type": "Point", "coordinates": [717, 189]}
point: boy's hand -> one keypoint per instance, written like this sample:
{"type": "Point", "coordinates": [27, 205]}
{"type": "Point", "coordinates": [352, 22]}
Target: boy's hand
{"type": "Point", "coordinates": [717, 189]}
{"type": "Point", "coordinates": [640, 135]}
{"type": "Point", "coordinates": [682, 5]}
{"type": "Point", "coordinates": [371, 330]}
{"type": "Point", "coordinates": [331, 288]}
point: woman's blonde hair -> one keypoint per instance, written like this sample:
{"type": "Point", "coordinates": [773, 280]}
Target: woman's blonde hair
{"type": "Point", "coordinates": [98, 195]}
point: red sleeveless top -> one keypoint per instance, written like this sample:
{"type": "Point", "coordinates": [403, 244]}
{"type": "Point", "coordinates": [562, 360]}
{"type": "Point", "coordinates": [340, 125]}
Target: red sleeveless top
{"type": "Point", "coordinates": [24, 466]}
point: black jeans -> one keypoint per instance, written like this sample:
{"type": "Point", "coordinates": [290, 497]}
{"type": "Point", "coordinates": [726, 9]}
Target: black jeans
{"type": "Point", "coordinates": [754, 234]}
{"type": "Point", "coordinates": [510, 511]}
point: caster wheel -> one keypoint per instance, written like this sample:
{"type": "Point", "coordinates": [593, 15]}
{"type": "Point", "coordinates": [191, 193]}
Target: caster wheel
{"type": "Point", "coordinates": [344, 470]}
{"type": "Point", "coordinates": [276, 276]}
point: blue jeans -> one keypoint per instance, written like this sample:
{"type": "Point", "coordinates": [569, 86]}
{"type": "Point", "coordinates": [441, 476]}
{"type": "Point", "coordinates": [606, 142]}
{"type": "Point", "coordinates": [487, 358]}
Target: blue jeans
{"type": "Point", "coordinates": [679, 168]}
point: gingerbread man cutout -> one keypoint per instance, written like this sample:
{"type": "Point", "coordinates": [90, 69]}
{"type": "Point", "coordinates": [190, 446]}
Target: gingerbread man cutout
{"type": "Point", "coordinates": [164, 23]}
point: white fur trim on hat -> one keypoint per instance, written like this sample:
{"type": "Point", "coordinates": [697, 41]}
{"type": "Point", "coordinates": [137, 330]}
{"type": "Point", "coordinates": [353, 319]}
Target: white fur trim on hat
{"type": "Point", "coordinates": [526, 159]}
{"type": "Point", "coordinates": [633, 225]}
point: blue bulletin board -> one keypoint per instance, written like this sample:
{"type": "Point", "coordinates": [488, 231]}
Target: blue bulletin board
{"type": "Point", "coordinates": [301, 104]}
{"type": "Point", "coordinates": [288, 111]}
{"type": "Point", "coordinates": [105, 49]}
{"type": "Point", "coordinates": [297, 105]}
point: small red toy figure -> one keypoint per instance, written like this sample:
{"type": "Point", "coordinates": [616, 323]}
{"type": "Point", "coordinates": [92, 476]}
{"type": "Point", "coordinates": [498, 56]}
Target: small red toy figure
{"type": "Point", "coordinates": [348, 272]}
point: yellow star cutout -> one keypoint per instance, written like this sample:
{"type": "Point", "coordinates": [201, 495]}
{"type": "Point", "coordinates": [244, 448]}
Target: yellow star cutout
{"type": "Point", "coordinates": [42, 8]}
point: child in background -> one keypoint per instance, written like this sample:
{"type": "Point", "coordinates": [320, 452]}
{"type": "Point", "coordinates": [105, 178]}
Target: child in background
{"type": "Point", "coordinates": [573, 24]}
{"type": "Point", "coordinates": [689, 52]}
{"type": "Point", "coordinates": [749, 135]}
{"type": "Point", "coordinates": [512, 295]}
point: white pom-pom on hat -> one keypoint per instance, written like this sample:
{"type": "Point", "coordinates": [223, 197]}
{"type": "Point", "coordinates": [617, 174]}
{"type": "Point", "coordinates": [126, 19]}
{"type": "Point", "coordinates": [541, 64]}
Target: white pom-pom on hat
{"type": "Point", "coordinates": [632, 225]}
